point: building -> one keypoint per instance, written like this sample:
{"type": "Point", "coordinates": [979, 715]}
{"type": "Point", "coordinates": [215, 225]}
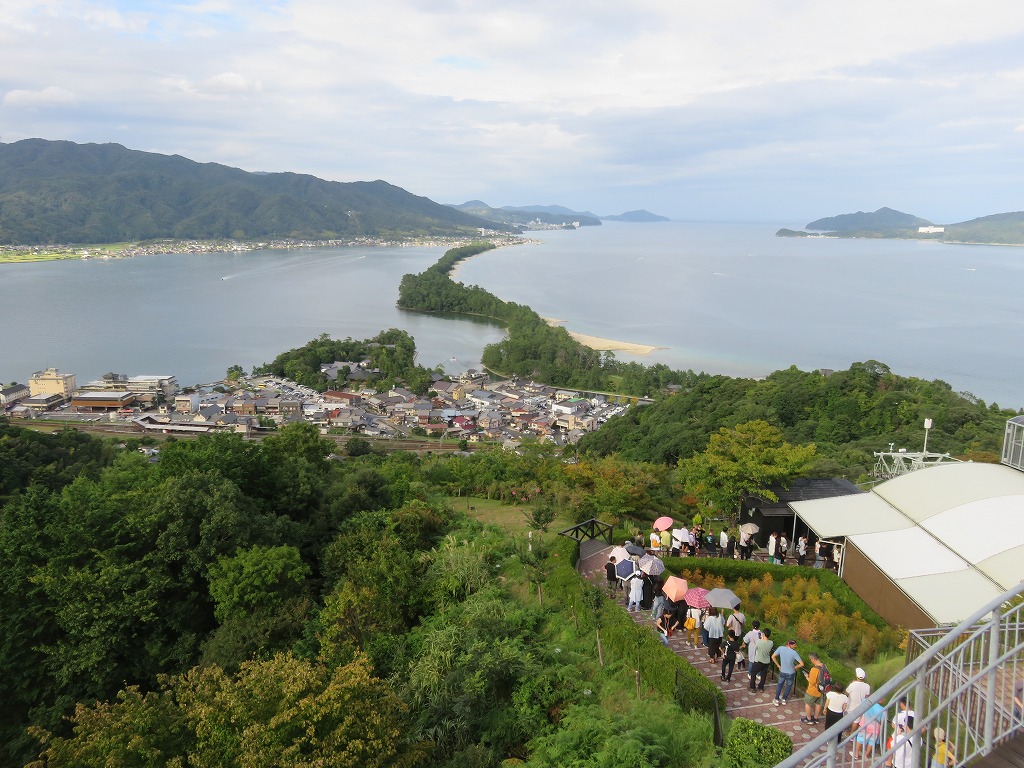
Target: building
{"type": "Point", "coordinates": [52, 382]}
{"type": "Point", "coordinates": [12, 394]}
{"type": "Point", "coordinates": [91, 402]}
{"type": "Point", "coordinates": [930, 547]}
{"type": "Point", "coordinates": [147, 388]}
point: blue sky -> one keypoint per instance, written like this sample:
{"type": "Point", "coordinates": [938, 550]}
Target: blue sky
{"type": "Point", "coordinates": [759, 110]}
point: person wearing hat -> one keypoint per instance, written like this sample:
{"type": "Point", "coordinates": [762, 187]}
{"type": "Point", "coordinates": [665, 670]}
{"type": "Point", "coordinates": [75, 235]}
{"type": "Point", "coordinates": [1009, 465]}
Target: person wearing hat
{"type": "Point", "coordinates": [858, 690]}
{"type": "Point", "coordinates": [943, 756]}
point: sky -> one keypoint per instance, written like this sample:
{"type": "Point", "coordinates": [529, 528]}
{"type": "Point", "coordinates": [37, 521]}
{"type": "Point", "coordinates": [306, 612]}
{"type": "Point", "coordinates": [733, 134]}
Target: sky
{"type": "Point", "coordinates": [749, 110]}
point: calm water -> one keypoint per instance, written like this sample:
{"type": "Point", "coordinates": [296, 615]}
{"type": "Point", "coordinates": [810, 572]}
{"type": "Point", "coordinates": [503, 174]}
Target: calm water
{"type": "Point", "coordinates": [719, 297]}
{"type": "Point", "coordinates": [736, 299]}
{"type": "Point", "coordinates": [173, 314]}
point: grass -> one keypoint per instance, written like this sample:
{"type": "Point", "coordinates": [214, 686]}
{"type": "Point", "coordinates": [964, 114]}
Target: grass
{"type": "Point", "coordinates": [510, 518]}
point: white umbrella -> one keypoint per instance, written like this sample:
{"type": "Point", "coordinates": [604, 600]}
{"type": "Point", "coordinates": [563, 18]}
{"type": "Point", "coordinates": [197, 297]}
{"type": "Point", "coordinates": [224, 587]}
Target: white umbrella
{"type": "Point", "coordinates": [722, 598]}
{"type": "Point", "coordinates": [750, 528]}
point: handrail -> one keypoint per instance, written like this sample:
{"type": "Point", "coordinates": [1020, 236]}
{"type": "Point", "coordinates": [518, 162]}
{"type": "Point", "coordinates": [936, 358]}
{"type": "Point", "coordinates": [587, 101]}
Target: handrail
{"type": "Point", "coordinates": [963, 684]}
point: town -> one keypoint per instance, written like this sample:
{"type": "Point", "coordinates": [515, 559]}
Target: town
{"type": "Point", "coordinates": [468, 407]}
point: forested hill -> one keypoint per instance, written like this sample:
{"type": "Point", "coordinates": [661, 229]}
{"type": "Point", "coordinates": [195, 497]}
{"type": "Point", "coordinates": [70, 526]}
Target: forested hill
{"type": "Point", "coordinates": [848, 415]}
{"type": "Point", "coordinates": [62, 192]}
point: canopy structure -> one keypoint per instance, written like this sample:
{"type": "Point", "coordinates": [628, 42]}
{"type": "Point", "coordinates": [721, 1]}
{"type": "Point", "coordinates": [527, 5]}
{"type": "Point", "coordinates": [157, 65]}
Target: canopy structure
{"type": "Point", "coordinates": [932, 545]}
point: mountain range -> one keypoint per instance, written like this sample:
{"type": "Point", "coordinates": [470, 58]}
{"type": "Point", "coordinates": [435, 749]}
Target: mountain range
{"type": "Point", "coordinates": [63, 192]}
{"type": "Point", "coordinates": [556, 215]}
{"type": "Point", "coordinates": [997, 229]}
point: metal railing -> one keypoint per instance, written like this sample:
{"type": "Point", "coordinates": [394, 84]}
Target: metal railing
{"type": "Point", "coordinates": [960, 680]}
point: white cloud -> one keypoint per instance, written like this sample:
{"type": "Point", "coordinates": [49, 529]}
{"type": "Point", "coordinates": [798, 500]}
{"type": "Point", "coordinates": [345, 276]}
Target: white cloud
{"type": "Point", "coordinates": [580, 98]}
{"type": "Point", "coordinates": [51, 96]}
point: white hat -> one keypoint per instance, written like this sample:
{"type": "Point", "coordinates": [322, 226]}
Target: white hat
{"type": "Point", "coordinates": [861, 674]}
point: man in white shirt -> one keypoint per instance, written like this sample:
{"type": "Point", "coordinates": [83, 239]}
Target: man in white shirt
{"type": "Point", "coordinates": [723, 543]}
{"type": "Point", "coordinates": [858, 690]}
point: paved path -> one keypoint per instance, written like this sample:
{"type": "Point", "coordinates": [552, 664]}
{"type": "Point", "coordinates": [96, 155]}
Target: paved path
{"type": "Point", "coordinates": [740, 702]}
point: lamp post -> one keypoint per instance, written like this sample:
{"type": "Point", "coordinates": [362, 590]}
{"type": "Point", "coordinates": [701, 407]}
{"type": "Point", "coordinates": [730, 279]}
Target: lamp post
{"type": "Point", "coordinates": [927, 426]}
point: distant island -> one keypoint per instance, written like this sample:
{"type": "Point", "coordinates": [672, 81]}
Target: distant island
{"type": "Point", "coordinates": [549, 216]}
{"type": "Point", "coordinates": [62, 192]}
{"type": "Point", "coordinates": [998, 229]}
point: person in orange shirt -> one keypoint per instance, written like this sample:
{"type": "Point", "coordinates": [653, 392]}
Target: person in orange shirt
{"type": "Point", "coordinates": [813, 699]}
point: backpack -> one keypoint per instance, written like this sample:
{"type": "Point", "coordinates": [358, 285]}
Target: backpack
{"type": "Point", "coordinates": [824, 680]}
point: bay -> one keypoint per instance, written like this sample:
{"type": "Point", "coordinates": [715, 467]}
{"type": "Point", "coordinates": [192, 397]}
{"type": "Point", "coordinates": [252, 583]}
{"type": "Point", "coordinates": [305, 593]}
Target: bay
{"type": "Point", "coordinates": [735, 299]}
{"type": "Point", "coordinates": [724, 298]}
{"type": "Point", "coordinates": [192, 315]}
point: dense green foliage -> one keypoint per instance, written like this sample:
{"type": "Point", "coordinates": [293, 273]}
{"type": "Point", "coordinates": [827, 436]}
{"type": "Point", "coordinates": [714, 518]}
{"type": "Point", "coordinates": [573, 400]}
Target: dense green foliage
{"type": "Point", "coordinates": [1000, 228]}
{"type": "Point", "coordinates": [753, 745]}
{"type": "Point", "coordinates": [392, 353]}
{"type": "Point", "coordinates": [847, 415]}
{"type": "Point", "coordinates": [60, 192]}
{"type": "Point", "coordinates": [523, 216]}
{"type": "Point", "coordinates": [885, 222]}
{"type": "Point", "coordinates": [260, 602]}
{"type": "Point", "coordinates": [49, 461]}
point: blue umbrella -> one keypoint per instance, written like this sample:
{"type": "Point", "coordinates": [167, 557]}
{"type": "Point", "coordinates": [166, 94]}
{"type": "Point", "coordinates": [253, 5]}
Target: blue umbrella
{"type": "Point", "coordinates": [625, 569]}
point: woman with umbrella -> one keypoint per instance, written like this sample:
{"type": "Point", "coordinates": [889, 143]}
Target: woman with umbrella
{"type": "Point", "coordinates": [714, 625]}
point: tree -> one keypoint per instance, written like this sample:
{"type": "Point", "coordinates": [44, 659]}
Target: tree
{"type": "Point", "coordinates": [235, 372]}
{"type": "Point", "coordinates": [747, 459]}
{"type": "Point", "coordinates": [260, 577]}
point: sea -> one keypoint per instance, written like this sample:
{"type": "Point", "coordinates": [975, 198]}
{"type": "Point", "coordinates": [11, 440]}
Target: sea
{"type": "Point", "coordinates": [718, 297]}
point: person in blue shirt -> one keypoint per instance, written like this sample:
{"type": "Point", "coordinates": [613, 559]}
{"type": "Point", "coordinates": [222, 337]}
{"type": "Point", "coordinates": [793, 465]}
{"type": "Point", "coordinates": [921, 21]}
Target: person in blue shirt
{"type": "Point", "coordinates": [788, 661]}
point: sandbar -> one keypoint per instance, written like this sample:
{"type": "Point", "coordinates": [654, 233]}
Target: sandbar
{"type": "Point", "coordinates": [605, 345]}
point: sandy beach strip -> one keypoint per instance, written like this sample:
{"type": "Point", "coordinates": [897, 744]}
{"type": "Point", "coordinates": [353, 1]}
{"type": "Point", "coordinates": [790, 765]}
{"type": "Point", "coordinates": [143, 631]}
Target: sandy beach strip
{"type": "Point", "coordinates": [605, 345]}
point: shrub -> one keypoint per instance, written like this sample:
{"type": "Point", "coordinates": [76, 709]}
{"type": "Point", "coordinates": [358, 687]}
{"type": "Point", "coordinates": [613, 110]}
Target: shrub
{"type": "Point", "coordinates": [752, 745]}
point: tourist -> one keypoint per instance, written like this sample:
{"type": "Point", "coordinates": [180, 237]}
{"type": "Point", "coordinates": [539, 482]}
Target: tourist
{"type": "Point", "coordinates": [943, 756]}
{"type": "Point", "coordinates": [836, 705]}
{"type": "Point", "coordinates": [735, 622]}
{"type": "Point", "coordinates": [783, 550]}
{"type": "Point", "coordinates": [760, 660]}
{"type": "Point", "coordinates": [773, 542]}
{"type": "Point", "coordinates": [801, 550]}
{"type": "Point", "coordinates": [667, 626]}
{"type": "Point", "coordinates": [730, 650]}
{"type": "Point", "coordinates": [858, 690]}
{"type": "Point", "coordinates": [788, 661]}
{"type": "Point", "coordinates": [814, 699]}
{"type": "Point", "coordinates": [744, 545]}
{"type": "Point", "coordinates": [903, 757]}
{"type": "Point", "coordinates": [613, 578]}
{"type": "Point", "coordinates": [655, 541]}
{"type": "Point", "coordinates": [677, 541]}
{"type": "Point", "coordinates": [694, 620]}
{"type": "Point", "coordinates": [658, 608]}
{"type": "Point", "coordinates": [904, 714]}
{"type": "Point", "coordinates": [819, 554]}
{"type": "Point", "coordinates": [869, 730]}
{"type": "Point", "coordinates": [723, 543]}
{"type": "Point", "coordinates": [714, 626]}
{"type": "Point", "coordinates": [636, 593]}
{"type": "Point", "coordinates": [837, 555]}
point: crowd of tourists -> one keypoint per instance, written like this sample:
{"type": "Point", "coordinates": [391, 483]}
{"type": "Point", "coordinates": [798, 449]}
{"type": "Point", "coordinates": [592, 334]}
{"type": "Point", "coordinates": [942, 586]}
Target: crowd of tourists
{"type": "Point", "coordinates": [698, 542]}
{"type": "Point", "coordinates": [734, 647]}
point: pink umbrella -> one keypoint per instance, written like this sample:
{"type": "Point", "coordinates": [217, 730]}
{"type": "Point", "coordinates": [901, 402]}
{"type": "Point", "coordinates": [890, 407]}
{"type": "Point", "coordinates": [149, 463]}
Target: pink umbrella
{"type": "Point", "coordinates": [695, 597]}
{"type": "Point", "coordinates": [663, 523]}
{"type": "Point", "coordinates": [675, 588]}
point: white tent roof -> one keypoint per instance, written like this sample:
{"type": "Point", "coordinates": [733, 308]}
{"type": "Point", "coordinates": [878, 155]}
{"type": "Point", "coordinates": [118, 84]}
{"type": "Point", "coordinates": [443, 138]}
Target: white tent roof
{"type": "Point", "coordinates": [950, 536]}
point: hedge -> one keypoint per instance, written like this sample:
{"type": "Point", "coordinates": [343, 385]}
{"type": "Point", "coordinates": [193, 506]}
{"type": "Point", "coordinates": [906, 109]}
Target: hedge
{"type": "Point", "coordinates": [753, 745]}
{"type": "Point", "coordinates": [626, 641]}
{"type": "Point", "coordinates": [731, 570]}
